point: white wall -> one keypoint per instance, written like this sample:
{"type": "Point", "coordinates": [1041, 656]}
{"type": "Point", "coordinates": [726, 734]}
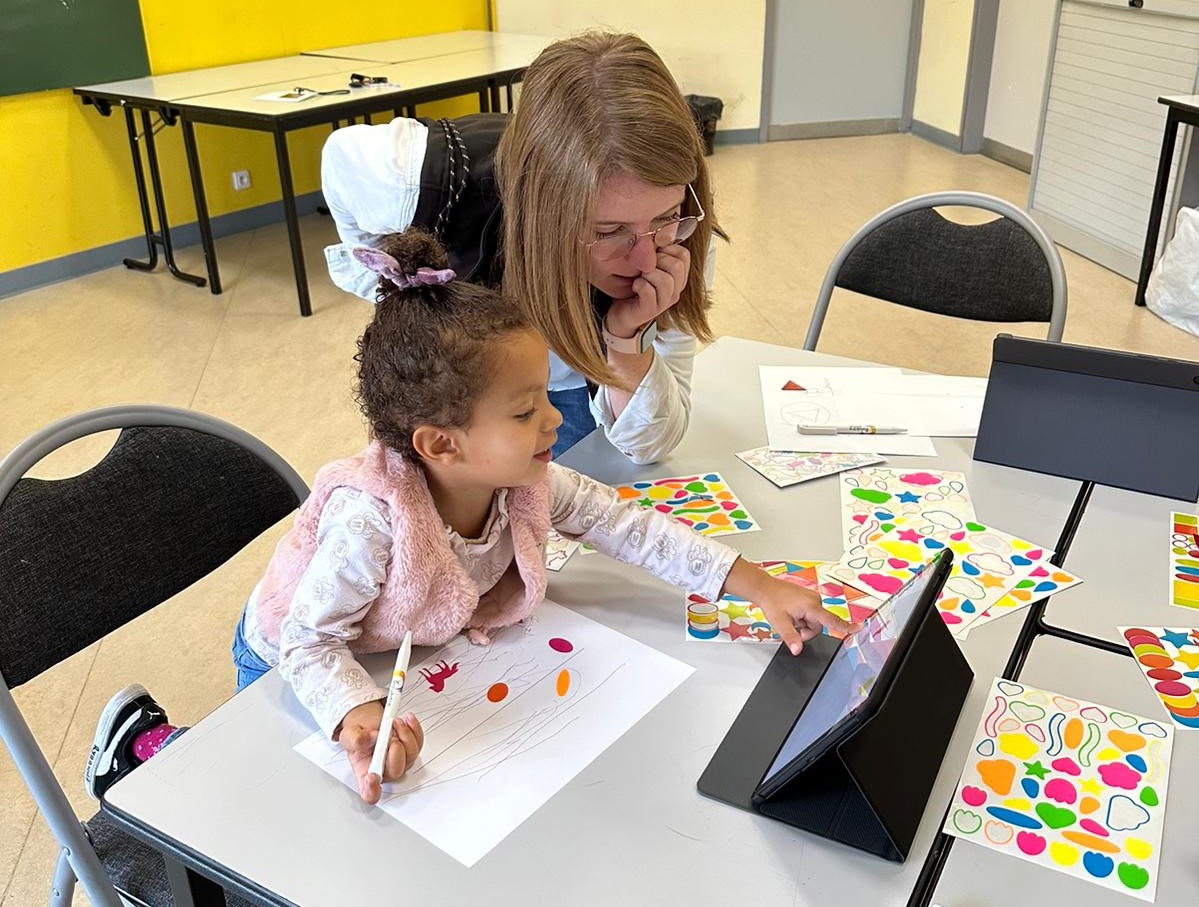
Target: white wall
{"type": "Point", "coordinates": [712, 47]}
{"type": "Point", "coordinates": [844, 60]}
{"type": "Point", "coordinates": [944, 56]}
{"type": "Point", "coordinates": [1018, 69]}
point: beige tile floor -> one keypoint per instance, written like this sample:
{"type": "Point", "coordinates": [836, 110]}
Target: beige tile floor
{"type": "Point", "coordinates": [246, 356]}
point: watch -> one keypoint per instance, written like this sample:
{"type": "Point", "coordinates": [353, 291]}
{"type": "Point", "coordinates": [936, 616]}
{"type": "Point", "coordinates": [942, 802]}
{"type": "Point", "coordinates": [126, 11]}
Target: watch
{"type": "Point", "coordinates": [641, 342]}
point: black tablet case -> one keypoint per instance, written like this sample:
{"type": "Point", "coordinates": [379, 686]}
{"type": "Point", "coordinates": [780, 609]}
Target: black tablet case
{"type": "Point", "coordinates": [1121, 419]}
{"type": "Point", "coordinates": [869, 792]}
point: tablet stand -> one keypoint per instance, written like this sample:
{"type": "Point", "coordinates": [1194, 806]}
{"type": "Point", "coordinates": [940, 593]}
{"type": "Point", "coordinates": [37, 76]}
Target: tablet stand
{"type": "Point", "coordinates": [870, 791]}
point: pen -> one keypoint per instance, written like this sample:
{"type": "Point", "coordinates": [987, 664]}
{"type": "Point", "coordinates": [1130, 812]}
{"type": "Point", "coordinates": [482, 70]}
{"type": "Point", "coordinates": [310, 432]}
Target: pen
{"type": "Point", "coordinates": [851, 430]}
{"type": "Point", "coordinates": [391, 706]}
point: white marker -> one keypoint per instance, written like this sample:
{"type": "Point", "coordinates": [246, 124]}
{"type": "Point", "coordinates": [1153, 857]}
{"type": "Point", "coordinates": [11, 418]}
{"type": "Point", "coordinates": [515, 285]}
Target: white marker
{"type": "Point", "coordinates": [851, 430]}
{"type": "Point", "coordinates": [392, 705]}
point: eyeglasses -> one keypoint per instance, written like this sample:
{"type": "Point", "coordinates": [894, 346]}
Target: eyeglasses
{"type": "Point", "coordinates": [621, 243]}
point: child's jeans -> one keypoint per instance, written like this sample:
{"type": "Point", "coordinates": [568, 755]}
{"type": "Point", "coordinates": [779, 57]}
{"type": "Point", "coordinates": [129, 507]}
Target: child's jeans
{"type": "Point", "coordinates": [249, 666]}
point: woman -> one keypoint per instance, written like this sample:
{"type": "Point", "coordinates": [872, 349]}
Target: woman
{"type": "Point", "coordinates": [606, 222]}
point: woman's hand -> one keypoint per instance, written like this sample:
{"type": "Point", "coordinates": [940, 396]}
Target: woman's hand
{"type": "Point", "coordinates": [655, 292]}
{"type": "Point", "coordinates": [357, 735]}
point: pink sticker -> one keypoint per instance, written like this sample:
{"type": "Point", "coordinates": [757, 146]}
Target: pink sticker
{"type": "Point", "coordinates": [1030, 843]}
{"type": "Point", "coordinates": [1061, 791]}
{"type": "Point", "coordinates": [1067, 766]}
{"type": "Point", "coordinates": [881, 582]}
{"type": "Point", "coordinates": [975, 796]}
{"type": "Point", "coordinates": [1117, 774]}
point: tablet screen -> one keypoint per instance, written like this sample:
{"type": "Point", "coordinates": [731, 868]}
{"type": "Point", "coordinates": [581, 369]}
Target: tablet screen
{"type": "Point", "coordinates": [851, 674]}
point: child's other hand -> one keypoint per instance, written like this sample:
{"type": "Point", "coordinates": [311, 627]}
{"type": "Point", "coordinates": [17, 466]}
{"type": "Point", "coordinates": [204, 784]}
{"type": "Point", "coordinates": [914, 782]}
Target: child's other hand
{"type": "Point", "coordinates": [360, 729]}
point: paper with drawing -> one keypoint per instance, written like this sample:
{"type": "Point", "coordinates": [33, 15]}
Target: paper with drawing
{"type": "Point", "coordinates": [508, 725]}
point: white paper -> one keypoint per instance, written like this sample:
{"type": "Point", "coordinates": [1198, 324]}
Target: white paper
{"type": "Point", "coordinates": [949, 406]}
{"type": "Point", "coordinates": [832, 396]}
{"type": "Point", "coordinates": [488, 765]}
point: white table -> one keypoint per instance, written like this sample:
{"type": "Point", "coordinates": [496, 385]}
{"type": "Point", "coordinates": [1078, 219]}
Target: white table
{"type": "Point", "coordinates": [401, 50]}
{"type": "Point", "coordinates": [233, 801]}
{"type": "Point", "coordinates": [225, 96]}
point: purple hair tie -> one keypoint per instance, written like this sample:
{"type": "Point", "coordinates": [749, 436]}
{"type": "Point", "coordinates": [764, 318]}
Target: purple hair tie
{"type": "Point", "coordinates": [386, 266]}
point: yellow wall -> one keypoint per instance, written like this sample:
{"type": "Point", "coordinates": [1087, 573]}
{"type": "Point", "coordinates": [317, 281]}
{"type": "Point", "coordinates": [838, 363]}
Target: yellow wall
{"type": "Point", "coordinates": [67, 176]}
{"type": "Point", "coordinates": [944, 59]}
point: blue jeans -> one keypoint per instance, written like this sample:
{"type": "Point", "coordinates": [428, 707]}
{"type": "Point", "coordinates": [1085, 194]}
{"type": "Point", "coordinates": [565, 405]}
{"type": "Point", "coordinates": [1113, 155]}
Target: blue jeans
{"type": "Point", "coordinates": [577, 421]}
{"type": "Point", "coordinates": [249, 666]}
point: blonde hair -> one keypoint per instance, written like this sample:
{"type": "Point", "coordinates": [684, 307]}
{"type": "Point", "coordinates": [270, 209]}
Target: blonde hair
{"type": "Point", "coordinates": [593, 106]}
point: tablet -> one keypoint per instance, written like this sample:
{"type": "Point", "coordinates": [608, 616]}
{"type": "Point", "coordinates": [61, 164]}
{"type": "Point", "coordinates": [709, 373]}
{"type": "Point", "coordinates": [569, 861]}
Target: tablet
{"type": "Point", "coordinates": [856, 679]}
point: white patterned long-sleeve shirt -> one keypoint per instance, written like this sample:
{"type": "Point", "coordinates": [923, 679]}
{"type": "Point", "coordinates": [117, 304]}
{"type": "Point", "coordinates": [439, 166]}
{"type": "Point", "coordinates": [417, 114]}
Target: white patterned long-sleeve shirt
{"type": "Point", "coordinates": [350, 566]}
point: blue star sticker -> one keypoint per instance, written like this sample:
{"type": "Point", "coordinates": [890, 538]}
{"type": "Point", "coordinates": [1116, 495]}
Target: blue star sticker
{"type": "Point", "coordinates": [1176, 638]}
{"type": "Point", "coordinates": [908, 498]}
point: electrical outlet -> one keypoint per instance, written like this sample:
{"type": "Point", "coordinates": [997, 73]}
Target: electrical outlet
{"type": "Point", "coordinates": [241, 179]}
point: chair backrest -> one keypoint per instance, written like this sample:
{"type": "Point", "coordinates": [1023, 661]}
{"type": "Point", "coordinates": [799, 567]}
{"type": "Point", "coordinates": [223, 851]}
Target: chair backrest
{"type": "Point", "coordinates": [178, 494]}
{"type": "Point", "coordinates": [1007, 269]}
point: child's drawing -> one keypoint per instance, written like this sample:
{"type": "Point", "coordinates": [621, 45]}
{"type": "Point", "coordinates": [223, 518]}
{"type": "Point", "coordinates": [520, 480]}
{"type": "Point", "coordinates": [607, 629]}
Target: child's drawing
{"type": "Point", "coordinates": [508, 725]}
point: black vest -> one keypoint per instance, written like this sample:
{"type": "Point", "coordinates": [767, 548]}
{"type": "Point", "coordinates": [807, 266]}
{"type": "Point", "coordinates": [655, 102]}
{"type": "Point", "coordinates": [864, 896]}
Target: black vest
{"type": "Point", "coordinates": [459, 200]}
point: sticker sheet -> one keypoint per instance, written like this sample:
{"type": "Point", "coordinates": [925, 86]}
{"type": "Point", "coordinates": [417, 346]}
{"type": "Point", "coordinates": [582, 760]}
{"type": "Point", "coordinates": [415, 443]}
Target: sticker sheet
{"type": "Point", "coordinates": [1044, 581]}
{"type": "Point", "coordinates": [734, 619]}
{"type": "Point", "coordinates": [1070, 785]}
{"type": "Point", "coordinates": [1169, 659]}
{"type": "Point", "coordinates": [1184, 560]}
{"type": "Point", "coordinates": [558, 550]}
{"type": "Point", "coordinates": [787, 467]}
{"type": "Point", "coordinates": [509, 725]}
{"type": "Point", "coordinates": [704, 502]}
{"type": "Point", "coordinates": [987, 564]}
{"type": "Point", "coordinates": [934, 502]}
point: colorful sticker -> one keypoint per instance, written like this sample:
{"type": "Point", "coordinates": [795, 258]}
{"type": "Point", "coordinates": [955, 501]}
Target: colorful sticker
{"type": "Point", "coordinates": [785, 467]}
{"type": "Point", "coordinates": [703, 502]}
{"type": "Point", "coordinates": [987, 564]}
{"type": "Point", "coordinates": [934, 502]}
{"type": "Point", "coordinates": [1184, 560]}
{"type": "Point", "coordinates": [1044, 581]}
{"type": "Point", "coordinates": [1070, 785]}
{"type": "Point", "coordinates": [1169, 659]}
{"type": "Point", "coordinates": [734, 619]}
{"type": "Point", "coordinates": [558, 550]}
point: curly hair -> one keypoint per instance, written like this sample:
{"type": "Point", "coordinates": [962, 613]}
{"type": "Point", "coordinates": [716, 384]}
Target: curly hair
{"type": "Point", "coordinates": [425, 357]}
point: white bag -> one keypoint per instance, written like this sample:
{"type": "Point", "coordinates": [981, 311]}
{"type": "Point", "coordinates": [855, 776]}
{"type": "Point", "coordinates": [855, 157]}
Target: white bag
{"type": "Point", "coordinates": [1173, 290]}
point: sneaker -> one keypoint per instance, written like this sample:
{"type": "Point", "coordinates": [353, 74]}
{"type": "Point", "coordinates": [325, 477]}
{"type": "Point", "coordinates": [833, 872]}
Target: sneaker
{"type": "Point", "coordinates": [129, 714]}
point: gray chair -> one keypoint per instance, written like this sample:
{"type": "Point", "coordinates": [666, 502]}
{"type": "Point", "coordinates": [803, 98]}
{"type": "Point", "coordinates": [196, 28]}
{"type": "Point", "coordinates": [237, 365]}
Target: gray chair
{"type": "Point", "coordinates": [178, 494]}
{"type": "Point", "coordinates": [1007, 269]}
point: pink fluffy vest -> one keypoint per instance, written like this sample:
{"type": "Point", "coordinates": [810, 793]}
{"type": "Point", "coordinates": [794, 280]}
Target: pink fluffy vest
{"type": "Point", "coordinates": [427, 590]}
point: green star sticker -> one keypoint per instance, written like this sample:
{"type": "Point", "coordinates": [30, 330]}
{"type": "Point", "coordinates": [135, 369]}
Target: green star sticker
{"type": "Point", "coordinates": [1035, 769]}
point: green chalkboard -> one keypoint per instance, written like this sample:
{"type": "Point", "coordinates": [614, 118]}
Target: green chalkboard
{"type": "Point", "coordinates": [63, 43]}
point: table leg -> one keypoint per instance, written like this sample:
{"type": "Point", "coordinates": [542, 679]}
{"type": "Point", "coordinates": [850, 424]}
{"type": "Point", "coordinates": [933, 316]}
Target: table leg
{"type": "Point", "coordinates": [139, 176]}
{"type": "Point", "coordinates": [1159, 202]}
{"type": "Point", "coordinates": [484, 100]}
{"type": "Point", "coordinates": [293, 222]}
{"type": "Point", "coordinates": [164, 226]}
{"type": "Point", "coordinates": [202, 219]}
{"type": "Point", "coordinates": [190, 889]}
{"type": "Point", "coordinates": [493, 90]}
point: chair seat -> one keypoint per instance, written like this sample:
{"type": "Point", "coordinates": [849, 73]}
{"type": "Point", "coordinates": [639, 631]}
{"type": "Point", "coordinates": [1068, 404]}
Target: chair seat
{"type": "Point", "coordinates": [137, 869]}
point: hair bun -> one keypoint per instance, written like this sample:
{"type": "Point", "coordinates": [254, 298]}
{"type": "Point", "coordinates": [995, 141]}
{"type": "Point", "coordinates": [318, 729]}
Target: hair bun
{"type": "Point", "coordinates": [401, 261]}
{"type": "Point", "coordinates": [415, 249]}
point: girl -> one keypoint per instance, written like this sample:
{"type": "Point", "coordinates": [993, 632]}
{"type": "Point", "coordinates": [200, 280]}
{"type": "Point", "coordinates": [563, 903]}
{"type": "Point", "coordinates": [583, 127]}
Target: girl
{"type": "Point", "coordinates": [607, 220]}
{"type": "Point", "coordinates": [439, 526]}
